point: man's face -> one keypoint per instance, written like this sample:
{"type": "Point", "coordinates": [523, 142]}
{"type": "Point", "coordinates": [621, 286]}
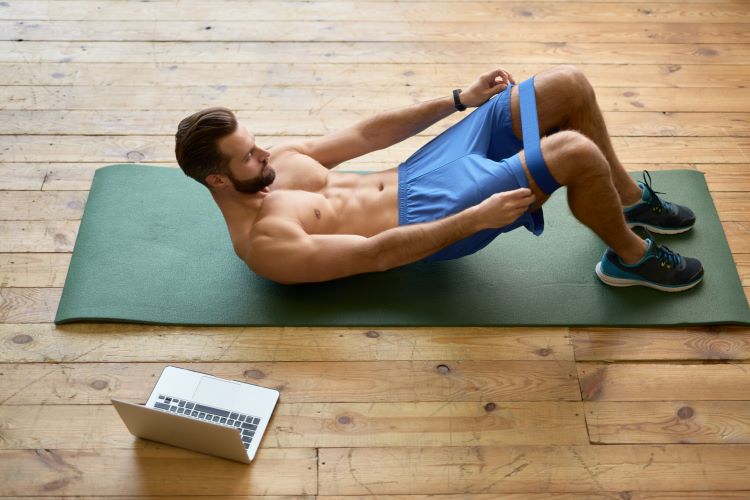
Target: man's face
{"type": "Point", "coordinates": [249, 170]}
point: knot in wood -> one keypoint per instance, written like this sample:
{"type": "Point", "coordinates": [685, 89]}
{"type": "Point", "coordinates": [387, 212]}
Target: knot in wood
{"type": "Point", "coordinates": [135, 156]}
{"type": "Point", "coordinates": [256, 374]}
{"type": "Point", "coordinates": [685, 412]}
{"type": "Point", "coordinates": [99, 385]}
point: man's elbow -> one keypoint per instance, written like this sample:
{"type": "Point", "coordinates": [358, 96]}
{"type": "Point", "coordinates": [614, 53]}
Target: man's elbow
{"type": "Point", "coordinates": [272, 274]}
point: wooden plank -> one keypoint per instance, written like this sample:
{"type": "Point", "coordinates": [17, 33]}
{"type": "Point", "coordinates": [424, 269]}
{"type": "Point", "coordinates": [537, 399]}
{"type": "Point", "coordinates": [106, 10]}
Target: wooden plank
{"type": "Point", "coordinates": [516, 469]}
{"type": "Point", "coordinates": [677, 422]}
{"type": "Point", "coordinates": [77, 176]}
{"type": "Point", "coordinates": [38, 305]}
{"type": "Point", "coordinates": [743, 267]}
{"type": "Point", "coordinates": [157, 122]}
{"type": "Point", "coordinates": [192, 497]}
{"type": "Point", "coordinates": [38, 236]}
{"type": "Point", "coordinates": [321, 425]}
{"type": "Point", "coordinates": [738, 236]}
{"type": "Point", "coordinates": [103, 342]}
{"type": "Point", "coordinates": [733, 206]}
{"type": "Point", "coordinates": [659, 382]}
{"type": "Point", "coordinates": [630, 495]}
{"type": "Point", "coordinates": [354, 75]}
{"type": "Point", "coordinates": [510, 52]}
{"type": "Point", "coordinates": [374, 31]}
{"type": "Point", "coordinates": [355, 382]}
{"type": "Point", "coordinates": [69, 205]}
{"type": "Point", "coordinates": [621, 344]}
{"type": "Point", "coordinates": [471, 11]}
{"type": "Point", "coordinates": [311, 100]}
{"type": "Point", "coordinates": [173, 497]}
{"type": "Point", "coordinates": [156, 471]}
{"type": "Point", "coordinates": [147, 149]}
{"type": "Point", "coordinates": [726, 177]}
{"type": "Point", "coordinates": [28, 305]}
{"type": "Point", "coordinates": [22, 176]}
{"type": "Point", "coordinates": [25, 270]}
{"type": "Point", "coordinates": [42, 205]}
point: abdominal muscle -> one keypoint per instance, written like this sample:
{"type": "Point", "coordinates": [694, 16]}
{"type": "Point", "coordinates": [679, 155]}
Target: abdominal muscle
{"type": "Point", "coordinates": [363, 204]}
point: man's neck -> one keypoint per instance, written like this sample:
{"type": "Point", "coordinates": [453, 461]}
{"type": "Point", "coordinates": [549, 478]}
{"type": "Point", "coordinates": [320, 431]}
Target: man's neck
{"type": "Point", "coordinates": [239, 207]}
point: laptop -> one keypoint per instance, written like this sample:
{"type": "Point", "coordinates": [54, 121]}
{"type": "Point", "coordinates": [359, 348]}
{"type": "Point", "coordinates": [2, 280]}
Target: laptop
{"type": "Point", "coordinates": [197, 411]}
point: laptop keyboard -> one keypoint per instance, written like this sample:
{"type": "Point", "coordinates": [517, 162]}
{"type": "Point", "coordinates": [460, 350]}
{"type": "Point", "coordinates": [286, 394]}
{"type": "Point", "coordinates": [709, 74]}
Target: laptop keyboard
{"type": "Point", "coordinates": [246, 424]}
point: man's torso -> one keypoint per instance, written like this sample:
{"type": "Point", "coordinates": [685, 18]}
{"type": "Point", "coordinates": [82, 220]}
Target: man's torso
{"type": "Point", "coordinates": [322, 201]}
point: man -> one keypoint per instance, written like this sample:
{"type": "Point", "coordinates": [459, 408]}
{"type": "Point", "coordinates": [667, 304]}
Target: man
{"type": "Point", "coordinates": [293, 220]}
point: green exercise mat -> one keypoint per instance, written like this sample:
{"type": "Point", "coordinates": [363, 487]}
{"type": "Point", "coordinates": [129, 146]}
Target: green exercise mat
{"type": "Point", "coordinates": [153, 247]}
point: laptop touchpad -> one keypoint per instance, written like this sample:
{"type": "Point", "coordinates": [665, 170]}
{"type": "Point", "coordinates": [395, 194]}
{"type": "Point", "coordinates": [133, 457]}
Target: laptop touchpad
{"type": "Point", "coordinates": [211, 391]}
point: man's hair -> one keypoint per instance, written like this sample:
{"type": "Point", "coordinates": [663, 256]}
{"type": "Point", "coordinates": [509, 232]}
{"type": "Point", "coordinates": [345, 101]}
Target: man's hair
{"type": "Point", "coordinates": [196, 140]}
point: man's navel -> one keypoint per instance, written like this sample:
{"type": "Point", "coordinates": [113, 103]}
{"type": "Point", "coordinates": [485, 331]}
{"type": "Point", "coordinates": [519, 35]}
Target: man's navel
{"type": "Point", "coordinates": [317, 213]}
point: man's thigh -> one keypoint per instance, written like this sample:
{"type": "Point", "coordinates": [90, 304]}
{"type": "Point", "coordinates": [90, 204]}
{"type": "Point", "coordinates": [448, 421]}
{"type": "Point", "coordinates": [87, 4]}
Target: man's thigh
{"type": "Point", "coordinates": [553, 108]}
{"type": "Point", "coordinates": [554, 89]}
{"type": "Point", "coordinates": [553, 149]}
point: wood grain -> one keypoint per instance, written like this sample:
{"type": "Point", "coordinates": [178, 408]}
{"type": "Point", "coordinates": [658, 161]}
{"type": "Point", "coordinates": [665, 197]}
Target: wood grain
{"type": "Point", "coordinates": [391, 413]}
{"type": "Point", "coordinates": [342, 381]}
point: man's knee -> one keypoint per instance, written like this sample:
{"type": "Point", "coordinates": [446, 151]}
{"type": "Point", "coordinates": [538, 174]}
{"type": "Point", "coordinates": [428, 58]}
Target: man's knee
{"type": "Point", "coordinates": [573, 86]}
{"type": "Point", "coordinates": [570, 155]}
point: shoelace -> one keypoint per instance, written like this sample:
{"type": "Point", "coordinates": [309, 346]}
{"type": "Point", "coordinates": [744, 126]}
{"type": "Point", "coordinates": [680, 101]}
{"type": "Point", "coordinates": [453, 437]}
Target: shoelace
{"type": "Point", "coordinates": [655, 200]}
{"type": "Point", "coordinates": [665, 256]}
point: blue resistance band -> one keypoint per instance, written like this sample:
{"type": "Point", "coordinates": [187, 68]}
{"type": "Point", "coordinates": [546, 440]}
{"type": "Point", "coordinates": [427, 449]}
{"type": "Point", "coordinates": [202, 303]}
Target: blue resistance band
{"type": "Point", "coordinates": [532, 150]}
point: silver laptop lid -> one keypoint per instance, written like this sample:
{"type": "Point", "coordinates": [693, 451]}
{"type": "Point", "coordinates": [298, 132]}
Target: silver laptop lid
{"type": "Point", "coordinates": [176, 430]}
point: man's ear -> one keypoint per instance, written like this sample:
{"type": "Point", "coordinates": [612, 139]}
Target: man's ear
{"type": "Point", "coordinates": [215, 180]}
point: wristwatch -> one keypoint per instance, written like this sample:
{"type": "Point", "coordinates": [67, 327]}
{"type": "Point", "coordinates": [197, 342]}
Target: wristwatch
{"type": "Point", "coordinates": [457, 100]}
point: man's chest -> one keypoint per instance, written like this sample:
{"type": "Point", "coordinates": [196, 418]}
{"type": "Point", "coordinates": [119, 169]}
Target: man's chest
{"type": "Point", "coordinates": [295, 171]}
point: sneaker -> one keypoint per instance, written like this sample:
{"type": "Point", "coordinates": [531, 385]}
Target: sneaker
{"type": "Point", "coordinates": [657, 215]}
{"type": "Point", "coordinates": [660, 268]}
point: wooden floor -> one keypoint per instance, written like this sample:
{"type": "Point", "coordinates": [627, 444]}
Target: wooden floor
{"type": "Point", "coordinates": [408, 413]}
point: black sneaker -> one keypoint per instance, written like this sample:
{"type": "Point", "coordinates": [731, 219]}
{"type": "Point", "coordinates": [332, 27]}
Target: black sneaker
{"type": "Point", "coordinates": [657, 215]}
{"type": "Point", "coordinates": [660, 268]}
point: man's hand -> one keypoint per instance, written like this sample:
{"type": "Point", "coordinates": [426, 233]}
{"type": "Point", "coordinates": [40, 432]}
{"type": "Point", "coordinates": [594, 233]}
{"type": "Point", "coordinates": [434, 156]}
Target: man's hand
{"type": "Point", "coordinates": [501, 209]}
{"type": "Point", "coordinates": [485, 87]}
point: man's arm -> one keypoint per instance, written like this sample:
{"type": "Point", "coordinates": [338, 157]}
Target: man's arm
{"type": "Point", "coordinates": [281, 250]}
{"type": "Point", "coordinates": [391, 127]}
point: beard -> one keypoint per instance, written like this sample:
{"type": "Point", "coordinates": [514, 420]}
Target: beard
{"type": "Point", "coordinates": [254, 185]}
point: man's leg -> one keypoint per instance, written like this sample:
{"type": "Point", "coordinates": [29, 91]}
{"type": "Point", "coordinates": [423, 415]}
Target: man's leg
{"type": "Point", "coordinates": [576, 162]}
{"type": "Point", "coordinates": [582, 158]}
{"type": "Point", "coordinates": [566, 101]}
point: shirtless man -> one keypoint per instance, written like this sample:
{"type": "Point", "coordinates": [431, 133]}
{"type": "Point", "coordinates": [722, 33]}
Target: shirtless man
{"type": "Point", "coordinates": [293, 220]}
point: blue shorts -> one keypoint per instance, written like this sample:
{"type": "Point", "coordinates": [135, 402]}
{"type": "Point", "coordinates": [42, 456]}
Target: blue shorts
{"type": "Point", "coordinates": [466, 164]}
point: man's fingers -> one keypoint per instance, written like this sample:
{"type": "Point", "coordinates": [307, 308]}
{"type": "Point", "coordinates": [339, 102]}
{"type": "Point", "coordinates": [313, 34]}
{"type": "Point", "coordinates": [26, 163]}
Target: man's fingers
{"type": "Point", "coordinates": [524, 196]}
{"type": "Point", "coordinates": [507, 77]}
{"type": "Point", "coordinates": [521, 197]}
{"type": "Point", "coordinates": [498, 73]}
{"type": "Point", "coordinates": [522, 192]}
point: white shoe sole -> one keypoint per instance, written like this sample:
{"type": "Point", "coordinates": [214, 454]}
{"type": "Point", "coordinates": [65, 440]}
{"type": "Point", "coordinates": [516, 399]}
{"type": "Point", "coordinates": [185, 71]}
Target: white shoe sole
{"type": "Point", "coordinates": [612, 281]}
{"type": "Point", "coordinates": [659, 230]}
